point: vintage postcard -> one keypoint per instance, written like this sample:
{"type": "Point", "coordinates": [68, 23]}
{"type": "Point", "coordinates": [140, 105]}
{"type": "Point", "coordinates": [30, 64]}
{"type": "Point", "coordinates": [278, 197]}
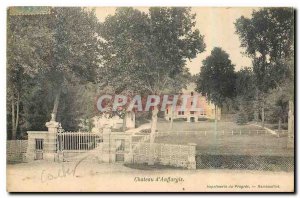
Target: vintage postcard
{"type": "Point", "coordinates": [150, 99]}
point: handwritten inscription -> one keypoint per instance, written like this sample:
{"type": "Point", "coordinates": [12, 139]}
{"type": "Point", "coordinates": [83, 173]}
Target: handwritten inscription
{"type": "Point", "coordinates": [62, 172]}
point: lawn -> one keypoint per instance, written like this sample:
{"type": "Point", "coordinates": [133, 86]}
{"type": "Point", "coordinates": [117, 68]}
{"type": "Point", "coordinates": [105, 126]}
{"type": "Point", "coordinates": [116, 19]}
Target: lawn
{"type": "Point", "coordinates": [244, 141]}
{"type": "Point", "coordinates": [164, 126]}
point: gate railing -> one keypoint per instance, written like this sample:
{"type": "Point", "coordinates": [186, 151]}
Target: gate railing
{"type": "Point", "coordinates": [211, 132]}
{"type": "Point", "coordinates": [68, 141]}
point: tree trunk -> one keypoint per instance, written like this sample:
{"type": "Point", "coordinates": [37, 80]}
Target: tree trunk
{"type": "Point", "coordinates": [17, 115]}
{"type": "Point", "coordinates": [15, 111]}
{"type": "Point", "coordinates": [256, 108]}
{"type": "Point", "coordinates": [124, 122]}
{"type": "Point", "coordinates": [279, 124]}
{"type": "Point", "coordinates": [284, 119]}
{"type": "Point", "coordinates": [263, 112]}
{"type": "Point", "coordinates": [56, 103]}
{"type": "Point", "coordinates": [172, 116]}
{"type": "Point", "coordinates": [14, 130]}
{"type": "Point", "coordinates": [290, 142]}
{"type": "Point", "coordinates": [216, 121]}
{"type": "Point", "coordinates": [152, 135]}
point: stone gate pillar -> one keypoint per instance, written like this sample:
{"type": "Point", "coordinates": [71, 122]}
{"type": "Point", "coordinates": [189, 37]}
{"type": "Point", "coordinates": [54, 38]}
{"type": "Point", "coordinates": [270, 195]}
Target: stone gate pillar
{"type": "Point", "coordinates": [50, 141]}
{"type": "Point", "coordinates": [31, 147]}
{"type": "Point", "coordinates": [110, 147]}
{"type": "Point", "coordinates": [107, 144]}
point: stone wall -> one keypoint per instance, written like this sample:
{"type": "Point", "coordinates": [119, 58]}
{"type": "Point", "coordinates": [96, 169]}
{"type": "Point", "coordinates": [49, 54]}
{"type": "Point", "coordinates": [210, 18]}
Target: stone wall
{"type": "Point", "coordinates": [109, 146]}
{"type": "Point", "coordinates": [167, 154]}
{"type": "Point", "coordinates": [48, 152]}
{"type": "Point", "coordinates": [32, 136]}
{"type": "Point", "coordinates": [16, 151]}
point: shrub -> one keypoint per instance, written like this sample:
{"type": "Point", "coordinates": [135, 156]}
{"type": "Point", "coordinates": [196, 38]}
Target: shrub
{"type": "Point", "coordinates": [117, 130]}
{"type": "Point", "coordinates": [202, 119]}
{"type": "Point", "coordinates": [140, 121]}
{"type": "Point", "coordinates": [180, 120]}
{"type": "Point", "coordinates": [241, 118]}
{"type": "Point", "coordinates": [145, 131]}
{"type": "Point", "coordinates": [206, 119]}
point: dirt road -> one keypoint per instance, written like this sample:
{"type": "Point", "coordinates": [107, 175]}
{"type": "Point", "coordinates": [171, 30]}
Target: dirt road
{"type": "Point", "coordinates": [91, 176]}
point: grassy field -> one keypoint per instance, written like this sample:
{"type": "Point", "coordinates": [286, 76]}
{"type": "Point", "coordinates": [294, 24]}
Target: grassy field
{"type": "Point", "coordinates": [164, 126]}
{"type": "Point", "coordinates": [250, 144]}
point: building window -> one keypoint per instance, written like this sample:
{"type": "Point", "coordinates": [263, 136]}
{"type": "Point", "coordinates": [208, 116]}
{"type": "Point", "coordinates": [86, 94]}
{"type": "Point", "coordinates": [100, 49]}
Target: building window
{"type": "Point", "coordinates": [192, 103]}
{"type": "Point", "coordinates": [39, 144]}
{"type": "Point", "coordinates": [167, 111]}
{"type": "Point", "coordinates": [192, 93]}
{"type": "Point", "coordinates": [180, 112]}
{"type": "Point", "coordinates": [192, 112]}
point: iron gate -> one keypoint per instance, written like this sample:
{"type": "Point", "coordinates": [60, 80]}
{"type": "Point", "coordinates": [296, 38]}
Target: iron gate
{"type": "Point", "coordinates": [70, 144]}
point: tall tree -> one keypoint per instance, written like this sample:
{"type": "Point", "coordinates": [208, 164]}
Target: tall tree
{"type": "Point", "coordinates": [217, 78]}
{"type": "Point", "coordinates": [27, 37]}
{"type": "Point", "coordinates": [245, 92]}
{"type": "Point", "coordinates": [147, 52]}
{"type": "Point", "coordinates": [59, 49]}
{"type": "Point", "coordinates": [75, 54]}
{"type": "Point", "coordinates": [268, 40]}
{"type": "Point", "coordinates": [278, 101]}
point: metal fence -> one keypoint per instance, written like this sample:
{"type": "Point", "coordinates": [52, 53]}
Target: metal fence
{"type": "Point", "coordinates": [211, 132]}
{"type": "Point", "coordinates": [69, 141]}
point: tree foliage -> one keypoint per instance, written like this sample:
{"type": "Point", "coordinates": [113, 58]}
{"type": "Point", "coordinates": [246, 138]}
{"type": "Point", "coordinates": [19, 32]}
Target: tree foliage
{"type": "Point", "coordinates": [245, 83]}
{"type": "Point", "coordinates": [278, 105]}
{"type": "Point", "coordinates": [217, 77]}
{"type": "Point", "coordinates": [245, 94]}
{"type": "Point", "coordinates": [47, 54]}
{"type": "Point", "coordinates": [268, 38]}
{"type": "Point", "coordinates": [146, 52]}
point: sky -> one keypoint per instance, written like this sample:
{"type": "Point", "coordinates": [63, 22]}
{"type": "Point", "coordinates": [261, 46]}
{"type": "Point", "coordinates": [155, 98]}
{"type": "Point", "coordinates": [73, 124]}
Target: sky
{"type": "Point", "coordinates": [217, 26]}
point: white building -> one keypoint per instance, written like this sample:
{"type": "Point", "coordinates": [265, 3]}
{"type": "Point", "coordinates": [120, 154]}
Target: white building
{"type": "Point", "coordinates": [207, 108]}
{"type": "Point", "coordinates": [115, 122]}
